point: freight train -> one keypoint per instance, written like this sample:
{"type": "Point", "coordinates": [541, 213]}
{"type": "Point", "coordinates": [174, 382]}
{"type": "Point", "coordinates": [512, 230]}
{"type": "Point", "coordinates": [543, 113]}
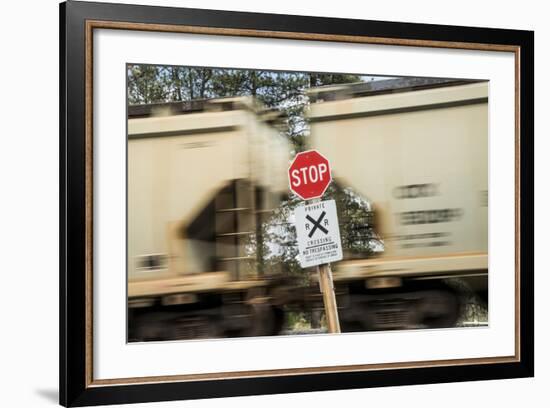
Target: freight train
{"type": "Point", "coordinates": [206, 176]}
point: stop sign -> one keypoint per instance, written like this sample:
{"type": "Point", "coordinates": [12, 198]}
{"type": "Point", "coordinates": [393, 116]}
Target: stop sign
{"type": "Point", "coordinates": [309, 174]}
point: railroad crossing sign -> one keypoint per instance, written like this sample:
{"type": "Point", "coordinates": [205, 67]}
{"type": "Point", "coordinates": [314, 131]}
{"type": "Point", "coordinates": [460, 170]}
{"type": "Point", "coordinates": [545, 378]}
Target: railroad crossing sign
{"type": "Point", "coordinates": [318, 233]}
{"type": "Point", "coordinates": [309, 174]}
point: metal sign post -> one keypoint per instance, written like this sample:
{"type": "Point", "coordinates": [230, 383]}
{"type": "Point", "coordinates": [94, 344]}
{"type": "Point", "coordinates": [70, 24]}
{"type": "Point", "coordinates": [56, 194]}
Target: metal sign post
{"type": "Point", "coordinates": [317, 226]}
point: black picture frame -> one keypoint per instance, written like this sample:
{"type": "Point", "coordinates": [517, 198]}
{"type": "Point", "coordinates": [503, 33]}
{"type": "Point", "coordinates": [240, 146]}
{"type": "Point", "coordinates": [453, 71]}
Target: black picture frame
{"type": "Point", "coordinates": [77, 387]}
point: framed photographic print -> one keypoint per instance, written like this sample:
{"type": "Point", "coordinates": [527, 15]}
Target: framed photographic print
{"type": "Point", "coordinates": [256, 203]}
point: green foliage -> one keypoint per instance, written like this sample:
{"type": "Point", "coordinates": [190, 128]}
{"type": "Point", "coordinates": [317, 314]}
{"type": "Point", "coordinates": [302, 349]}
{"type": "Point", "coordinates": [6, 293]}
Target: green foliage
{"type": "Point", "coordinates": [297, 321]}
{"type": "Point", "coordinates": [331, 79]}
{"type": "Point", "coordinates": [147, 84]}
{"type": "Point", "coordinates": [356, 220]}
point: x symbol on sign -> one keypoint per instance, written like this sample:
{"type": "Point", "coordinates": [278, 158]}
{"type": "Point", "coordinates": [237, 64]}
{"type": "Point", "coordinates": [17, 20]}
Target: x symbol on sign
{"type": "Point", "coordinates": [317, 224]}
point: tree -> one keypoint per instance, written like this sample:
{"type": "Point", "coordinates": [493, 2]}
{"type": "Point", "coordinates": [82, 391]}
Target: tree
{"type": "Point", "coordinates": [147, 84]}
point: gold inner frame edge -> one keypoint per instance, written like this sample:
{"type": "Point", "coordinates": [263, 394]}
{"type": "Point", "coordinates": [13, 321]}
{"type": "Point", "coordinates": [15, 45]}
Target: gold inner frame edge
{"type": "Point", "coordinates": [101, 24]}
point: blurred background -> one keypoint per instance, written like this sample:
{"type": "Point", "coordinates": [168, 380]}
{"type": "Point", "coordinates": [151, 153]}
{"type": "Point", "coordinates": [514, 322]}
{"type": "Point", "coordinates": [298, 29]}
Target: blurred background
{"type": "Point", "coordinates": [211, 243]}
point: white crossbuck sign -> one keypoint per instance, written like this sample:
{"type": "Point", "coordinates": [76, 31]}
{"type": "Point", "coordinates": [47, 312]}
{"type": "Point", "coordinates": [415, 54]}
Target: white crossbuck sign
{"type": "Point", "coordinates": [318, 233]}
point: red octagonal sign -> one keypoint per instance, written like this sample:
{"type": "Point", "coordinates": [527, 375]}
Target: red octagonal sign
{"type": "Point", "coordinates": [309, 174]}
